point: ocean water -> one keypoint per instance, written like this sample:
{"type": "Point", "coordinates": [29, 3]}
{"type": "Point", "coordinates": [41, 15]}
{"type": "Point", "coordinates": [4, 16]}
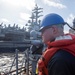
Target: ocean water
{"type": "Point", "coordinates": [6, 60]}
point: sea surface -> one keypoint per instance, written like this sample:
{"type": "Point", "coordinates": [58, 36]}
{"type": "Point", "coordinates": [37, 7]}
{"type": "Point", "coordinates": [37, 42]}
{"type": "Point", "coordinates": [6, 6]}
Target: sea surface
{"type": "Point", "coordinates": [6, 60]}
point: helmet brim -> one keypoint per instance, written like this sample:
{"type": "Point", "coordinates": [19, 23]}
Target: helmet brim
{"type": "Point", "coordinates": [44, 27]}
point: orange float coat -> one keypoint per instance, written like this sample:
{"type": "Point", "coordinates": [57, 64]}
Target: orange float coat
{"type": "Point", "coordinates": [65, 44]}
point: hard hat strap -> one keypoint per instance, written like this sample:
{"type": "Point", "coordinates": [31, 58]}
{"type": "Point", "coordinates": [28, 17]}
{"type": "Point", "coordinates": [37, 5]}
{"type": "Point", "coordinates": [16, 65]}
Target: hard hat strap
{"type": "Point", "coordinates": [70, 26]}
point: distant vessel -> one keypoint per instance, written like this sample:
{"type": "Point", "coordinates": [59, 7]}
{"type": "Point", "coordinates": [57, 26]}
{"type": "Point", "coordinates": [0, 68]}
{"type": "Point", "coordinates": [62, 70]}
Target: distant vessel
{"type": "Point", "coordinates": [71, 30]}
{"type": "Point", "coordinates": [13, 37]}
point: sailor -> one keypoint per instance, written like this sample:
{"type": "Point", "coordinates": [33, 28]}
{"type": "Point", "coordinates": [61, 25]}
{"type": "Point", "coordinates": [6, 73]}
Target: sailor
{"type": "Point", "coordinates": [59, 57]}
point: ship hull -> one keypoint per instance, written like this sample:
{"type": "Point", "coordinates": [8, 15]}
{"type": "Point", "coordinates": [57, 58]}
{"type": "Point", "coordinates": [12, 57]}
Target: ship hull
{"type": "Point", "coordinates": [10, 50]}
{"type": "Point", "coordinates": [11, 46]}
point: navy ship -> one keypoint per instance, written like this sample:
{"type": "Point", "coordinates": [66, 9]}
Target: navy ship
{"type": "Point", "coordinates": [13, 37]}
{"type": "Point", "coordinates": [72, 30]}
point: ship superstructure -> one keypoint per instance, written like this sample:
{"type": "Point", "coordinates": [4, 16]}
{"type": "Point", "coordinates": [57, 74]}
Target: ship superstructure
{"type": "Point", "coordinates": [71, 30]}
{"type": "Point", "coordinates": [15, 37]}
{"type": "Point", "coordinates": [8, 33]}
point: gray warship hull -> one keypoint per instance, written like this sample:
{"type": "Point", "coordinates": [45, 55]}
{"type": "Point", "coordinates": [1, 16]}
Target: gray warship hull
{"type": "Point", "coordinates": [11, 46]}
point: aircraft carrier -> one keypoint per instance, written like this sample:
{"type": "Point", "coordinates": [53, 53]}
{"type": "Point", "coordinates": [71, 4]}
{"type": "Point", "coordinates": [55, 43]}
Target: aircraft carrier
{"type": "Point", "coordinates": [14, 37]}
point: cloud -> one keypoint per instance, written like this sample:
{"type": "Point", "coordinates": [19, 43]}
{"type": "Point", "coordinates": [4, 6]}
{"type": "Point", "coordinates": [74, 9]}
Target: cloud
{"type": "Point", "coordinates": [70, 19]}
{"type": "Point", "coordinates": [21, 20]}
{"type": "Point", "coordinates": [24, 16]}
{"type": "Point", "coordinates": [55, 3]}
{"type": "Point", "coordinates": [5, 20]}
{"type": "Point", "coordinates": [29, 4]}
{"type": "Point", "coordinates": [66, 31]}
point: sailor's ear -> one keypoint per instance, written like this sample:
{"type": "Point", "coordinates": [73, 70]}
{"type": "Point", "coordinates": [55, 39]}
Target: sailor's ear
{"type": "Point", "coordinates": [55, 29]}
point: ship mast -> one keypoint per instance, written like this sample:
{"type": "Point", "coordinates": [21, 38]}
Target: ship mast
{"type": "Point", "coordinates": [34, 19]}
{"type": "Point", "coordinates": [71, 30]}
{"type": "Point", "coordinates": [36, 12]}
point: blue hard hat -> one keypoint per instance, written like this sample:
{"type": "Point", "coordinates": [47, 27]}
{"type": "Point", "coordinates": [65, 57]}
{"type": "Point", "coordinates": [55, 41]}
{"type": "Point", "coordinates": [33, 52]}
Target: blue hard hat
{"type": "Point", "coordinates": [52, 19]}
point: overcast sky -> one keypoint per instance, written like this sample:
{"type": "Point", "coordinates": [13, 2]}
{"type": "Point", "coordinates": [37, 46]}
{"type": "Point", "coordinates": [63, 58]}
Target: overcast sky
{"type": "Point", "coordinates": [19, 11]}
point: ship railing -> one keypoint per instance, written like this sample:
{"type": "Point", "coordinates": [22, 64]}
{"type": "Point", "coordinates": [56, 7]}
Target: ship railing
{"type": "Point", "coordinates": [28, 64]}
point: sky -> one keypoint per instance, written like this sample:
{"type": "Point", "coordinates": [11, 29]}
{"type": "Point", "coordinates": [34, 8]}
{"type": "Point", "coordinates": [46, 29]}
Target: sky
{"type": "Point", "coordinates": [19, 11]}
